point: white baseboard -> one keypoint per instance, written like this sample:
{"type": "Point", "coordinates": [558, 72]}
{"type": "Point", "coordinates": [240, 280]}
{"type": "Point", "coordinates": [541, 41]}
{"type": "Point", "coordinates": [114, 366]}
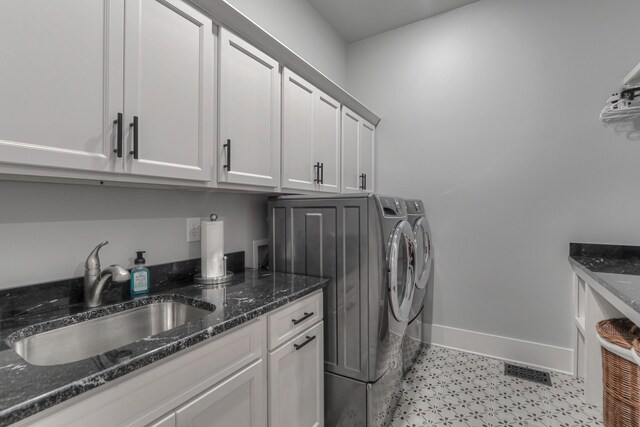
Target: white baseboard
{"type": "Point", "coordinates": [527, 353]}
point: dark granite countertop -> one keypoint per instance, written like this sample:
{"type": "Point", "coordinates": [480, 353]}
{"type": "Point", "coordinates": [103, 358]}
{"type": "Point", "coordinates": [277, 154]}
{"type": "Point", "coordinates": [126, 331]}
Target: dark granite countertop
{"type": "Point", "coordinates": [615, 267]}
{"type": "Point", "coordinates": [26, 389]}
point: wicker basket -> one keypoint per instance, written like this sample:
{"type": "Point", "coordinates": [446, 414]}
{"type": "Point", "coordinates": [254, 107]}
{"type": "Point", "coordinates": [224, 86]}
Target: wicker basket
{"type": "Point", "coordinates": [620, 373]}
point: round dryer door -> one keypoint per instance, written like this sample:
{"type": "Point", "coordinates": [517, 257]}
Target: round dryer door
{"type": "Point", "coordinates": [423, 250]}
{"type": "Point", "coordinates": [401, 265]}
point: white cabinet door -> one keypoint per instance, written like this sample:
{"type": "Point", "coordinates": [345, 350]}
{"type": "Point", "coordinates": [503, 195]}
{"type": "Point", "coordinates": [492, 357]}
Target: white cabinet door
{"type": "Point", "coordinates": [249, 112]}
{"type": "Point", "coordinates": [366, 148]}
{"type": "Point", "coordinates": [166, 421]}
{"type": "Point", "coordinates": [298, 157]}
{"type": "Point", "coordinates": [310, 137]}
{"type": "Point", "coordinates": [60, 82]}
{"type": "Point", "coordinates": [358, 138]}
{"type": "Point", "coordinates": [350, 154]}
{"type": "Point", "coordinates": [326, 142]}
{"type": "Point", "coordinates": [238, 401]}
{"type": "Point", "coordinates": [168, 90]}
{"type": "Point", "coordinates": [296, 381]}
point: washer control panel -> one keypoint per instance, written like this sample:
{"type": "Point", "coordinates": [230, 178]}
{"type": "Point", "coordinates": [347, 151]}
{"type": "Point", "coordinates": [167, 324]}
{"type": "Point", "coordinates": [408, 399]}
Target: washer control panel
{"type": "Point", "coordinates": [414, 207]}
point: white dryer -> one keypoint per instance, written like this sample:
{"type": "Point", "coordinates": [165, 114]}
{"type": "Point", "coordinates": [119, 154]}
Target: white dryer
{"type": "Point", "coordinates": [412, 340]}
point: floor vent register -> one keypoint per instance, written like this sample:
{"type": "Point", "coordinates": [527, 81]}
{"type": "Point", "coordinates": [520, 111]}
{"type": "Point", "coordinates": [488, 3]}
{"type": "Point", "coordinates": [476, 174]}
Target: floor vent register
{"type": "Point", "coordinates": [528, 374]}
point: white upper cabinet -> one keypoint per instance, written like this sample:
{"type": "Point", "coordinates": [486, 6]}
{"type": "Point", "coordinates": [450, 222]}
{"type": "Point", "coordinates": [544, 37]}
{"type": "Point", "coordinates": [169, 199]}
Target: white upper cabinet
{"type": "Point", "coordinates": [127, 89]}
{"type": "Point", "coordinates": [326, 142]}
{"type": "Point", "coordinates": [350, 157]}
{"type": "Point", "coordinates": [366, 161]}
{"type": "Point", "coordinates": [76, 76]}
{"type": "Point", "coordinates": [169, 95]}
{"type": "Point", "coordinates": [60, 82]}
{"type": "Point", "coordinates": [298, 168]}
{"type": "Point", "coordinates": [310, 137]}
{"type": "Point", "coordinates": [249, 113]}
{"type": "Point", "coordinates": [358, 145]}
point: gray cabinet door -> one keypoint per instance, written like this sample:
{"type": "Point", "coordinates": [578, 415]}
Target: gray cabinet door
{"type": "Point", "coordinates": [304, 240]}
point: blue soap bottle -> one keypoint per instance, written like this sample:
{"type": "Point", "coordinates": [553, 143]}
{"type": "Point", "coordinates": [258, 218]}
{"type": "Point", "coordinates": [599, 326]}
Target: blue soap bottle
{"type": "Point", "coordinates": [139, 276]}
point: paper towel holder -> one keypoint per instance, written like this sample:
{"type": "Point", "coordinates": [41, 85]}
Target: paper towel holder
{"type": "Point", "coordinates": [228, 275]}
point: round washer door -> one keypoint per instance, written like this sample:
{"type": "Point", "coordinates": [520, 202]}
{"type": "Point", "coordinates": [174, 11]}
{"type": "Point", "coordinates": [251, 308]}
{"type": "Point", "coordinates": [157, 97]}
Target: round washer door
{"type": "Point", "coordinates": [423, 253]}
{"type": "Point", "coordinates": [401, 265]}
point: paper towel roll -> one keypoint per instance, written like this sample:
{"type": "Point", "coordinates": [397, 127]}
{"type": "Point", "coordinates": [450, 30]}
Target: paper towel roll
{"type": "Point", "coordinates": [212, 244]}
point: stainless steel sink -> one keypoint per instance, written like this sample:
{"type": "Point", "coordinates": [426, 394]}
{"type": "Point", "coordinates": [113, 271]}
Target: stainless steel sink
{"type": "Point", "coordinates": [96, 336]}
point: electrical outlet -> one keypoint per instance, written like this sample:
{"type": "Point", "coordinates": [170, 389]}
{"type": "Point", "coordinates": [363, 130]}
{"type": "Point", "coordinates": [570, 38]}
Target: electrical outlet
{"type": "Point", "coordinates": [193, 229]}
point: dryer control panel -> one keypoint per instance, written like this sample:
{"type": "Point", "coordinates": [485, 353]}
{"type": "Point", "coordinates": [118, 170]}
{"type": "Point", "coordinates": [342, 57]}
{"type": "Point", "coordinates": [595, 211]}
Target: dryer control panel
{"type": "Point", "coordinates": [392, 206]}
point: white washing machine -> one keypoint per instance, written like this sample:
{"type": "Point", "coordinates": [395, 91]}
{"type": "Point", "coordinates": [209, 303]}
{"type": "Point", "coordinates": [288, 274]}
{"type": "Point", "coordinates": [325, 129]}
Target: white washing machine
{"type": "Point", "coordinates": [412, 339]}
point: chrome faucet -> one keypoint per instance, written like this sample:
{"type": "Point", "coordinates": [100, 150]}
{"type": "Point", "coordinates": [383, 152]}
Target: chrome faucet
{"type": "Point", "coordinates": [95, 279]}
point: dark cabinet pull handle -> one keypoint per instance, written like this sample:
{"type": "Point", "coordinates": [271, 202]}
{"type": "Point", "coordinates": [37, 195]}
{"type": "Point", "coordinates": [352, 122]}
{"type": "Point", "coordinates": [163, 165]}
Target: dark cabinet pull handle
{"type": "Point", "coordinates": [227, 148]}
{"type": "Point", "coordinates": [307, 341]}
{"type": "Point", "coordinates": [134, 125]}
{"type": "Point", "coordinates": [321, 173]}
{"type": "Point", "coordinates": [362, 178]}
{"type": "Point", "coordinates": [118, 149]}
{"type": "Point", "coordinates": [303, 318]}
{"type": "Point", "coordinates": [316, 168]}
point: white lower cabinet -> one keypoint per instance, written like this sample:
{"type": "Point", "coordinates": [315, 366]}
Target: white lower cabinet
{"type": "Point", "coordinates": [296, 381]}
{"type": "Point", "coordinates": [237, 401]}
{"type": "Point", "coordinates": [222, 382]}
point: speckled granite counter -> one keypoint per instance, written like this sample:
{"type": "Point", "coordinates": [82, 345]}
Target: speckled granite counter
{"type": "Point", "coordinates": [616, 268]}
{"type": "Point", "coordinates": [26, 389]}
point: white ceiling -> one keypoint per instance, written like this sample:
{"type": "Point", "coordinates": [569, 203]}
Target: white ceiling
{"type": "Point", "coordinates": [358, 19]}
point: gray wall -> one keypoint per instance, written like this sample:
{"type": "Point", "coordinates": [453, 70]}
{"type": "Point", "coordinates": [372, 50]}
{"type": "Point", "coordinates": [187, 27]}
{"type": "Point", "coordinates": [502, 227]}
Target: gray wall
{"type": "Point", "coordinates": [490, 115]}
{"type": "Point", "coordinates": [300, 27]}
{"type": "Point", "coordinates": [47, 230]}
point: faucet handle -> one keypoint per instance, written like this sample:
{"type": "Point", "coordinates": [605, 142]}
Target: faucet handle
{"type": "Point", "coordinates": [93, 260]}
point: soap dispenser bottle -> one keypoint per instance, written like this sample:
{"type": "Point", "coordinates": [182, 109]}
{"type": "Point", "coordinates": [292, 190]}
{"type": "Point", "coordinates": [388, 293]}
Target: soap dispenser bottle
{"type": "Point", "coordinates": [139, 276]}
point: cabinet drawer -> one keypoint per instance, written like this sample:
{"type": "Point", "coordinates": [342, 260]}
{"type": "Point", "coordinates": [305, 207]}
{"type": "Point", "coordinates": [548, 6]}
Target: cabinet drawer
{"type": "Point", "coordinates": [294, 318]}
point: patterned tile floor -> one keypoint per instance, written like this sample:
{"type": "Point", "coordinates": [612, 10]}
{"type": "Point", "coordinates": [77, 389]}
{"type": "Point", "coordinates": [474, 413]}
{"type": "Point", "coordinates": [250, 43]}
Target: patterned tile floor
{"type": "Point", "coordinates": [453, 388]}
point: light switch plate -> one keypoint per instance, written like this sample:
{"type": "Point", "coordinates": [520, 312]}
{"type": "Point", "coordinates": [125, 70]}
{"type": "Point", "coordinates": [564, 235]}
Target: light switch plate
{"type": "Point", "coordinates": [193, 230]}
